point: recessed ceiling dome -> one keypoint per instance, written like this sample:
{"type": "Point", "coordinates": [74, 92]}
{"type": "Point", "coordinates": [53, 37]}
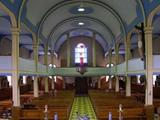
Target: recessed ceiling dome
{"type": "Point", "coordinates": [81, 10]}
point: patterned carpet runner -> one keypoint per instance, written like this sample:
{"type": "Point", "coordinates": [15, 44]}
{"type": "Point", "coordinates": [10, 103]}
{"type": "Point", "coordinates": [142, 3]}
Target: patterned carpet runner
{"type": "Point", "coordinates": [82, 109]}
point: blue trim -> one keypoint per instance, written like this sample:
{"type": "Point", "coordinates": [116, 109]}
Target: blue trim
{"type": "Point", "coordinates": [13, 6]}
{"type": "Point", "coordinates": [138, 20]}
{"type": "Point", "coordinates": [7, 18]}
{"type": "Point", "coordinates": [149, 6]}
{"type": "Point", "coordinates": [5, 74]}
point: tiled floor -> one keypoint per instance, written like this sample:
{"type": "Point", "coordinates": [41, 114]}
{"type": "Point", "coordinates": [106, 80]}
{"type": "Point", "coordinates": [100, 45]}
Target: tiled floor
{"type": "Point", "coordinates": [82, 107]}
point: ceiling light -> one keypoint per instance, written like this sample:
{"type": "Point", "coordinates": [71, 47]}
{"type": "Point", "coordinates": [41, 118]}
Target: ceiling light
{"type": "Point", "coordinates": [81, 9]}
{"type": "Point", "coordinates": [80, 23]}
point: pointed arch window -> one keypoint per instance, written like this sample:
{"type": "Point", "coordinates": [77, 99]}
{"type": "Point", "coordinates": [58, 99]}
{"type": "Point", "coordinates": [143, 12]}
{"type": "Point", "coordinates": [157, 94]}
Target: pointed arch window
{"type": "Point", "coordinates": [80, 54]}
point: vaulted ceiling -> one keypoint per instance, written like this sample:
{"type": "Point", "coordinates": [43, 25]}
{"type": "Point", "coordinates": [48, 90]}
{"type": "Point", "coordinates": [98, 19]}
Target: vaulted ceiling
{"type": "Point", "coordinates": [52, 20]}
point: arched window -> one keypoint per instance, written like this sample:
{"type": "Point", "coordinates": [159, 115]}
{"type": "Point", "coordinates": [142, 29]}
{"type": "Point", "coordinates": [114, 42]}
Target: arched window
{"type": "Point", "coordinates": [80, 54]}
{"type": "Point", "coordinates": [107, 77]}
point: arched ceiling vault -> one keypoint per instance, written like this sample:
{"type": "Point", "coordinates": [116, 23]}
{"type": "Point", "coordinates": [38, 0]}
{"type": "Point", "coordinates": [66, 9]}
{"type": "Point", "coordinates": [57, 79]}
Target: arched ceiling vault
{"type": "Point", "coordinates": [53, 16]}
{"type": "Point", "coordinates": [72, 23]}
{"type": "Point", "coordinates": [111, 20]}
{"type": "Point", "coordinates": [81, 32]}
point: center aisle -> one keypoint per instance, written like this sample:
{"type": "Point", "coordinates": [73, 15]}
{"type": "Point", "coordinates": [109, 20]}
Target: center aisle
{"type": "Point", "coordinates": [82, 107]}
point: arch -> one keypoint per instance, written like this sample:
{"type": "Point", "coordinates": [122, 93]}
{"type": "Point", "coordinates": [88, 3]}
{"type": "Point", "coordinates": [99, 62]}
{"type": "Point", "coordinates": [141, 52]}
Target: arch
{"type": "Point", "coordinates": [80, 17]}
{"type": "Point", "coordinates": [20, 12]}
{"type": "Point", "coordinates": [105, 48]}
{"type": "Point", "coordinates": [151, 15]}
{"type": "Point", "coordinates": [34, 38]}
{"type": "Point", "coordinates": [10, 14]}
{"type": "Point", "coordinates": [117, 16]}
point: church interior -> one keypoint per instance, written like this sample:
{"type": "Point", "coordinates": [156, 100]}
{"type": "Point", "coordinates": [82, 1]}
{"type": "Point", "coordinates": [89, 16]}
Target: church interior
{"type": "Point", "coordinates": [79, 59]}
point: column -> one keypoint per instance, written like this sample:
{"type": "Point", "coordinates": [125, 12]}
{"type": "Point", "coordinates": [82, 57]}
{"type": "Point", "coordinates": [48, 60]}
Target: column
{"type": "Point", "coordinates": [117, 62]}
{"type": "Point", "coordinates": [149, 70]}
{"type": "Point", "coordinates": [64, 84]}
{"type": "Point", "coordinates": [128, 85]}
{"type": "Point", "coordinates": [52, 83]}
{"type": "Point", "coordinates": [99, 84]}
{"type": "Point", "coordinates": [127, 57]}
{"type": "Point", "coordinates": [52, 62]}
{"type": "Point", "coordinates": [68, 51]}
{"type": "Point", "coordinates": [0, 83]}
{"type": "Point", "coordinates": [110, 59]}
{"type": "Point", "coordinates": [15, 67]}
{"type": "Point", "coordinates": [35, 50]}
{"type": "Point", "coordinates": [110, 82]}
{"type": "Point", "coordinates": [46, 57]}
{"type": "Point", "coordinates": [94, 49]}
{"type": "Point", "coordinates": [35, 86]}
{"type": "Point", "coordinates": [46, 86]}
{"type": "Point", "coordinates": [117, 83]}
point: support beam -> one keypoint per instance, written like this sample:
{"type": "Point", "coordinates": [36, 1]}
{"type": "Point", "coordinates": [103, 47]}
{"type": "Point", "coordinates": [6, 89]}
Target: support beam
{"type": "Point", "coordinates": [99, 84]}
{"type": "Point", "coordinates": [149, 64]}
{"type": "Point", "coordinates": [52, 83]}
{"type": "Point", "coordinates": [68, 51]}
{"type": "Point", "coordinates": [94, 49]}
{"type": "Point", "coordinates": [117, 61]}
{"type": "Point", "coordinates": [46, 86]}
{"type": "Point", "coordinates": [127, 57]}
{"type": "Point", "coordinates": [110, 82]}
{"type": "Point", "coordinates": [110, 62]}
{"type": "Point", "coordinates": [52, 62]}
{"type": "Point", "coordinates": [128, 86]}
{"type": "Point", "coordinates": [35, 86]}
{"type": "Point", "coordinates": [15, 67]}
{"type": "Point", "coordinates": [117, 84]}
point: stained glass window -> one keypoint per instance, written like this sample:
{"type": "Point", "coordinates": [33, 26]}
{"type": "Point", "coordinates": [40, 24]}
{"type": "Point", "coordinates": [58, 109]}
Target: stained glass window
{"type": "Point", "coordinates": [81, 54]}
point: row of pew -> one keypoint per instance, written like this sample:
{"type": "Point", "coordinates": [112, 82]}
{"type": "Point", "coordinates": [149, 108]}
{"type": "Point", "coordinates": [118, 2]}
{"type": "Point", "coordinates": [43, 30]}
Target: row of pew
{"type": "Point", "coordinates": [58, 103]}
{"type": "Point", "coordinates": [109, 102]}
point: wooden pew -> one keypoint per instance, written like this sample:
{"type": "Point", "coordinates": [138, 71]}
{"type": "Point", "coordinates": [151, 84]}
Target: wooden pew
{"type": "Point", "coordinates": [38, 114]}
{"type": "Point", "coordinates": [60, 104]}
{"type": "Point", "coordinates": [104, 103]}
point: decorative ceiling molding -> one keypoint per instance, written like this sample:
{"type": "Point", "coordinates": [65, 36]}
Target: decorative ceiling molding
{"type": "Point", "coordinates": [62, 23]}
{"type": "Point", "coordinates": [70, 30]}
{"type": "Point", "coordinates": [61, 4]}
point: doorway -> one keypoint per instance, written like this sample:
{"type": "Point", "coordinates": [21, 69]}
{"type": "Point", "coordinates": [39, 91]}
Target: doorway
{"type": "Point", "coordinates": [81, 86]}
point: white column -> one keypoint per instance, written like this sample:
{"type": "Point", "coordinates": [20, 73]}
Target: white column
{"type": "Point", "coordinates": [110, 82]}
{"type": "Point", "coordinates": [46, 86]}
{"type": "Point", "coordinates": [117, 61]}
{"type": "Point", "coordinates": [35, 86]}
{"type": "Point", "coordinates": [128, 86]}
{"type": "Point", "coordinates": [99, 84]}
{"type": "Point", "coordinates": [117, 84]}
{"type": "Point", "coordinates": [68, 51]}
{"type": "Point", "coordinates": [52, 83]}
{"type": "Point", "coordinates": [0, 83]}
{"type": "Point", "coordinates": [110, 59]}
{"type": "Point", "coordinates": [149, 70]}
{"type": "Point", "coordinates": [94, 49]}
{"type": "Point", "coordinates": [15, 65]}
{"type": "Point", "coordinates": [64, 84]}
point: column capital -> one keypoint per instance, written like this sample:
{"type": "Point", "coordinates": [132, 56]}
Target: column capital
{"type": "Point", "coordinates": [15, 30]}
{"type": "Point", "coordinates": [148, 30]}
{"type": "Point", "coordinates": [35, 46]}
